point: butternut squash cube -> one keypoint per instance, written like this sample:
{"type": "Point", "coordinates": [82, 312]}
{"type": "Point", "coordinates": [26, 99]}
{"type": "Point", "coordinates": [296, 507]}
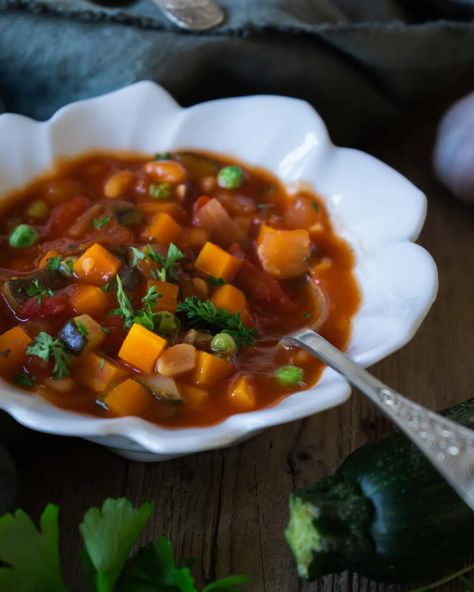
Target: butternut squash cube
{"type": "Point", "coordinates": [212, 260]}
{"type": "Point", "coordinates": [98, 373]}
{"type": "Point", "coordinates": [169, 295]}
{"type": "Point", "coordinates": [283, 253]}
{"type": "Point", "coordinates": [209, 370]}
{"type": "Point", "coordinates": [163, 229]}
{"type": "Point", "coordinates": [97, 266]}
{"type": "Point", "coordinates": [95, 334]}
{"type": "Point", "coordinates": [141, 348]}
{"type": "Point", "coordinates": [230, 298]}
{"type": "Point", "coordinates": [241, 395]}
{"type": "Point", "coordinates": [13, 344]}
{"type": "Point", "coordinates": [192, 395]}
{"type": "Point", "coordinates": [128, 398]}
{"type": "Point", "coordinates": [87, 299]}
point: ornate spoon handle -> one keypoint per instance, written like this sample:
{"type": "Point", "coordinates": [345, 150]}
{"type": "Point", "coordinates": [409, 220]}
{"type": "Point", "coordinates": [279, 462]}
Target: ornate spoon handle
{"type": "Point", "coordinates": [447, 445]}
{"type": "Point", "coordinates": [193, 15]}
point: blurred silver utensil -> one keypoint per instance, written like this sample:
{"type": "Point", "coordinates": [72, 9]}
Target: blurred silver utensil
{"type": "Point", "coordinates": [447, 445]}
{"type": "Point", "coordinates": [192, 15]}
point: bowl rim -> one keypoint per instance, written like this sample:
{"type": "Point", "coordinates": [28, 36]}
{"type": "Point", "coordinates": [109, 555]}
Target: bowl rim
{"type": "Point", "coordinates": [335, 390]}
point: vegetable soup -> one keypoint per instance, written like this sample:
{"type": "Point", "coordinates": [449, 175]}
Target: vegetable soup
{"type": "Point", "coordinates": [161, 286]}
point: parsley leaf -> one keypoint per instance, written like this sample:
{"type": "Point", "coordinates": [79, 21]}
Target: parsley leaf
{"type": "Point", "coordinates": [45, 347]}
{"type": "Point", "coordinates": [204, 315]}
{"type": "Point", "coordinates": [24, 379]}
{"type": "Point", "coordinates": [168, 263]}
{"type": "Point", "coordinates": [125, 309]}
{"type": "Point", "coordinates": [82, 328]}
{"type": "Point", "coordinates": [37, 290]}
{"type": "Point", "coordinates": [54, 263]}
{"type": "Point", "coordinates": [109, 535]}
{"type": "Point", "coordinates": [100, 222]}
{"type": "Point", "coordinates": [31, 555]}
{"type": "Point", "coordinates": [151, 296]}
{"type": "Point", "coordinates": [137, 255]}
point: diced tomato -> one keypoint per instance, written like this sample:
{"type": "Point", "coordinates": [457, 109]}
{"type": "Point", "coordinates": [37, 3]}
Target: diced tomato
{"type": "Point", "coordinates": [48, 307]}
{"type": "Point", "coordinates": [38, 368]}
{"type": "Point", "coordinates": [64, 215]}
{"type": "Point", "coordinates": [115, 335]}
{"type": "Point", "coordinates": [260, 287]}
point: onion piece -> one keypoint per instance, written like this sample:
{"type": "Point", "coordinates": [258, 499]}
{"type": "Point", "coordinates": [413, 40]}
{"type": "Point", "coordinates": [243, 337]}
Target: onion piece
{"type": "Point", "coordinates": [164, 387]}
{"type": "Point", "coordinates": [214, 217]}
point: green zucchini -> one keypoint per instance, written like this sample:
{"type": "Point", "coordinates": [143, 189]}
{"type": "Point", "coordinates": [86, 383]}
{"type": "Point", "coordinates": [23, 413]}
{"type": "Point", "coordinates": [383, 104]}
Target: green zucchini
{"type": "Point", "coordinates": [385, 513]}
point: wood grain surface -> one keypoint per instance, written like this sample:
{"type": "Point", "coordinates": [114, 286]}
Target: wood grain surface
{"type": "Point", "coordinates": [228, 508]}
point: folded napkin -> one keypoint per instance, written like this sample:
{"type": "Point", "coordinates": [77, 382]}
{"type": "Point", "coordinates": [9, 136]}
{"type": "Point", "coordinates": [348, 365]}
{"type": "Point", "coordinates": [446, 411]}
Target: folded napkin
{"type": "Point", "coordinates": [362, 64]}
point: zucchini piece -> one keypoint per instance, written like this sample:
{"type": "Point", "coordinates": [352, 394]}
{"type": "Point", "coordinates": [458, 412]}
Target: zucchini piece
{"type": "Point", "coordinates": [385, 513]}
{"type": "Point", "coordinates": [129, 216]}
{"type": "Point", "coordinates": [74, 339]}
{"type": "Point", "coordinates": [16, 290]}
{"type": "Point", "coordinates": [198, 165]}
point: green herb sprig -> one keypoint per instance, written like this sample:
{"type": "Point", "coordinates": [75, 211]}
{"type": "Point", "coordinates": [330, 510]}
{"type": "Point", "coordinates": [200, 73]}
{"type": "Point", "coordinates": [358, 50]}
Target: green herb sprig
{"type": "Point", "coordinates": [37, 291]}
{"type": "Point", "coordinates": [46, 347]}
{"type": "Point", "coordinates": [30, 556]}
{"type": "Point", "coordinates": [203, 314]}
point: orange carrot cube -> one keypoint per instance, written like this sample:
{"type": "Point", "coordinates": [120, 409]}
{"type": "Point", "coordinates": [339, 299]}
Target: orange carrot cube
{"type": "Point", "coordinates": [128, 398]}
{"type": "Point", "coordinates": [97, 266]}
{"type": "Point", "coordinates": [13, 344]}
{"type": "Point", "coordinates": [163, 229]}
{"type": "Point", "coordinates": [141, 348]}
{"type": "Point", "coordinates": [242, 395]}
{"type": "Point", "coordinates": [87, 299]}
{"type": "Point", "coordinates": [169, 295]}
{"type": "Point", "coordinates": [214, 261]}
{"type": "Point", "coordinates": [195, 237]}
{"type": "Point", "coordinates": [210, 370]}
{"type": "Point", "coordinates": [98, 373]}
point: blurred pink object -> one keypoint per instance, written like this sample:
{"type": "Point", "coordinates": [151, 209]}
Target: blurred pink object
{"type": "Point", "coordinates": [454, 149]}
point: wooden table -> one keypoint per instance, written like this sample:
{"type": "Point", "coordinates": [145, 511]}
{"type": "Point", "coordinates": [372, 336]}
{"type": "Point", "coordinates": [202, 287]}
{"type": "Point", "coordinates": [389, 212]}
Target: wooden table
{"type": "Point", "coordinates": [228, 508]}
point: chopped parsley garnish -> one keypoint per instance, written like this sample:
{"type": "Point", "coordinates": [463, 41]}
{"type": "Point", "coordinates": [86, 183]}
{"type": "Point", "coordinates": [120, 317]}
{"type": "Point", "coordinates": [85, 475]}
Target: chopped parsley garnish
{"type": "Point", "coordinates": [125, 309]}
{"type": "Point", "coordinates": [203, 314]}
{"type": "Point", "coordinates": [106, 330]}
{"type": "Point", "coordinates": [37, 291]}
{"type": "Point", "coordinates": [216, 281]}
{"type": "Point", "coordinates": [168, 263]}
{"type": "Point", "coordinates": [54, 263]}
{"type": "Point", "coordinates": [137, 255]}
{"type": "Point", "coordinates": [101, 222]}
{"type": "Point", "coordinates": [315, 206]}
{"type": "Point", "coordinates": [82, 328]}
{"type": "Point", "coordinates": [307, 315]}
{"type": "Point", "coordinates": [46, 347]}
{"type": "Point", "coordinates": [102, 364]}
{"type": "Point", "coordinates": [105, 287]}
{"type": "Point", "coordinates": [150, 252]}
{"type": "Point", "coordinates": [24, 379]}
{"type": "Point", "coordinates": [151, 296]}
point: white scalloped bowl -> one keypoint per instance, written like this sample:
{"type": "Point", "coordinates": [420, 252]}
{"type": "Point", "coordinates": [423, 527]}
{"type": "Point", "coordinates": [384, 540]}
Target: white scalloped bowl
{"type": "Point", "coordinates": [377, 210]}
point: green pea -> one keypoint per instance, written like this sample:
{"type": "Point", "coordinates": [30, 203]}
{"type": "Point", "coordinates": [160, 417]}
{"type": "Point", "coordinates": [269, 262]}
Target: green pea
{"type": "Point", "coordinates": [223, 343]}
{"type": "Point", "coordinates": [230, 177]}
{"type": "Point", "coordinates": [160, 190]}
{"type": "Point", "coordinates": [23, 236]}
{"type": "Point", "coordinates": [37, 209]}
{"type": "Point", "coordinates": [289, 375]}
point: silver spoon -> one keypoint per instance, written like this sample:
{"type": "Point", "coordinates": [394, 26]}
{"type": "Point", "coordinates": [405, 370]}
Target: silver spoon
{"type": "Point", "coordinates": [447, 445]}
{"type": "Point", "coordinates": [192, 15]}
